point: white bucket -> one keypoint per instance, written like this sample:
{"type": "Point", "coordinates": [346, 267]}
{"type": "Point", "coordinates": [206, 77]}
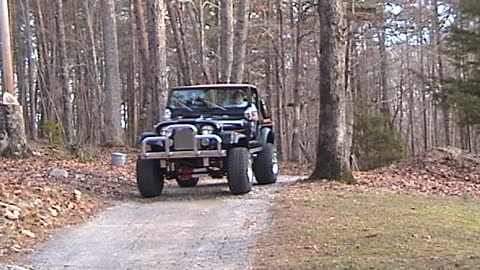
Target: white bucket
{"type": "Point", "coordinates": [119, 159]}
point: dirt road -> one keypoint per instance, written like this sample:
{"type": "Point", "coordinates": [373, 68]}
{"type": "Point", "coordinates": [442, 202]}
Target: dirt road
{"type": "Point", "coordinates": [187, 228]}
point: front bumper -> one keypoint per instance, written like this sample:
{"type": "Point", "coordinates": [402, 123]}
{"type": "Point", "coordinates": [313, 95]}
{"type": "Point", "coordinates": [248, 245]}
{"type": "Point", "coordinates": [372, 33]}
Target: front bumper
{"type": "Point", "coordinates": [194, 153]}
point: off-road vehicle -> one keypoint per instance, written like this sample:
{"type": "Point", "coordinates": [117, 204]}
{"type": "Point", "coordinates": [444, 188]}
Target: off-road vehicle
{"type": "Point", "coordinates": [209, 131]}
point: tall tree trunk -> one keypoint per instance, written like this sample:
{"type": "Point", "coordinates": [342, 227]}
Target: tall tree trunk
{"type": "Point", "coordinates": [31, 73]}
{"type": "Point", "coordinates": [226, 40]}
{"type": "Point", "coordinates": [200, 39]}
{"type": "Point", "coordinates": [95, 96]}
{"type": "Point", "coordinates": [146, 89]}
{"type": "Point", "coordinates": [158, 56]}
{"type": "Point", "coordinates": [385, 93]}
{"type": "Point", "coordinates": [332, 154]}
{"type": "Point", "coordinates": [281, 84]}
{"type": "Point", "coordinates": [240, 46]}
{"type": "Point", "coordinates": [132, 93]}
{"type": "Point", "coordinates": [297, 61]}
{"type": "Point", "coordinates": [13, 140]}
{"type": "Point", "coordinates": [176, 23]}
{"type": "Point", "coordinates": [7, 58]}
{"type": "Point", "coordinates": [67, 114]}
{"type": "Point", "coordinates": [445, 108]}
{"type": "Point", "coordinates": [113, 131]}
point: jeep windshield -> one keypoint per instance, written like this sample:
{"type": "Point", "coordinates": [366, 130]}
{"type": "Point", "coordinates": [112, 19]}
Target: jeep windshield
{"type": "Point", "coordinates": [201, 101]}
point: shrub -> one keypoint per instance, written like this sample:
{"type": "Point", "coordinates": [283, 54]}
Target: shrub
{"type": "Point", "coordinates": [375, 144]}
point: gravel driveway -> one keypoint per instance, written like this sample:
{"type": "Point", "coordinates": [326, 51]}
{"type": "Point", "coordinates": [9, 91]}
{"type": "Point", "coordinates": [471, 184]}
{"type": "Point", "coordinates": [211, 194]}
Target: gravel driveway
{"type": "Point", "coordinates": [187, 228]}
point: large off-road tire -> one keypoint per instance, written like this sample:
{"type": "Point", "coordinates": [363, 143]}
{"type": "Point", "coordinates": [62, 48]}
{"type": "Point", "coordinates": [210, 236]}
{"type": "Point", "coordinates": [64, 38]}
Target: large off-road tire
{"type": "Point", "coordinates": [187, 182]}
{"type": "Point", "coordinates": [239, 171]}
{"type": "Point", "coordinates": [150, 177]}
{"type": "Point", "coordinates": [265, 165]}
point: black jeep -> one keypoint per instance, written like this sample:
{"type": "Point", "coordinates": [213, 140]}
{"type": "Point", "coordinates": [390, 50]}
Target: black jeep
{"type": "Point", "coordinates": [209, 130]}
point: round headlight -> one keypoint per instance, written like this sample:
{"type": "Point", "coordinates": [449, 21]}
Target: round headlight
{"type": "Point", "coordinates": [205, 142]}
{"type": "Point", "coordinates": [206, 130]}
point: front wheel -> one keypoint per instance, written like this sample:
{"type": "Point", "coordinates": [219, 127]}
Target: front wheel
{"type": "Point", "coordinates": [239, 171]}
{"type": "Point", "coordinates": [150, 177]}
{"type": "Point", "coordinates": [265, 165]}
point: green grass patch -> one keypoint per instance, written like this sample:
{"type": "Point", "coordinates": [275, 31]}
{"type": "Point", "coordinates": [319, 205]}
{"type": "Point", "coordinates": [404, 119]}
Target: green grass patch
{"type": "Point", "coordinates": [367, 231]}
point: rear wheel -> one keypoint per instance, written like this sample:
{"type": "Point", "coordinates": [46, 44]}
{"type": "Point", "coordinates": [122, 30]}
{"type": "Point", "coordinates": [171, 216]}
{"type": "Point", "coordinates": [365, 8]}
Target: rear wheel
{"type": "Point", "coordinates": [187, 182]}
{"type": "Point", "coordinates": [150, 177]}
{"type": "Point", "coordinates": [265, 165]}
{"type": "Point", "coordinates": [239, 174]}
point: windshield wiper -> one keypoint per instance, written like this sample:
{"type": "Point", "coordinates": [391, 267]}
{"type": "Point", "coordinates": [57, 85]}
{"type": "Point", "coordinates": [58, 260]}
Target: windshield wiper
{"type": "Point", "coordinates": [183, 104]}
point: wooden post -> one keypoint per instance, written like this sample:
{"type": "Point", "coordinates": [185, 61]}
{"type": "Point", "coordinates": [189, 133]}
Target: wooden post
{"type": "Point", "coordinates": [6, 48]}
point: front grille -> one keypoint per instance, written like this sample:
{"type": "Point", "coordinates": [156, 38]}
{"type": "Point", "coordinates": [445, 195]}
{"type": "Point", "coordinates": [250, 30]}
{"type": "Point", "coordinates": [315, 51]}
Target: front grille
{"type": "Point", "coordinates": [183, 139]}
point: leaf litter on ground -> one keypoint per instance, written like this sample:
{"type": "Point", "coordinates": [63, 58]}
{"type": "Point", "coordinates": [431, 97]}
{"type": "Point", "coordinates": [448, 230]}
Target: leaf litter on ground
{"type": "Point", "coordinates": [34, 201]}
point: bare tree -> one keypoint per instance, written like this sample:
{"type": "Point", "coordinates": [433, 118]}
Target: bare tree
{"type": "Point", "coordinates": [240, 45]}
{"type": "Point", "coordinates": [64, 77]}
{"type": "Point", "coordinates": [226, 40]}
{"type": "Point", "coordinates": [332, 153]}
{"type": "Point", "coordinates": [157, 37]}
{"type": "Point", "coordinates": [113, 132]}
{"type": "Point", "coordinates": [176, 22]}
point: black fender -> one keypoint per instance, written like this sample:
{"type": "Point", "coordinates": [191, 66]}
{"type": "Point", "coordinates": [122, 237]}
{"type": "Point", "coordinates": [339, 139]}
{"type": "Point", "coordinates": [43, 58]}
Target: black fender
{"type": "Point", "coordinates": [267, 136]}
{"type": "Point", "coordinates": [234, 139]}
{"type": "Point", "coordinates": [145, 135]}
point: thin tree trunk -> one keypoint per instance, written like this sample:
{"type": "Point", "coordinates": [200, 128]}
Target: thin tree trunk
{"type": "Point", "coordinates": [200, 39]}
{"type": "Point", "coordinates": [226, 40]}
{"type": "Point", "coordinates": [240, 46]}
{"type": "Point", "coordinates": [296, 139]}
{"type": "Point", "coordinates": [67, 114]}
{"type": "Point", "coordinates": [384, 74]}
{"type": "Point", "coordinates": [445, 108]}
{"type": "Point", "coordinates": [7, 58]}
{"type": "Point", "coordinates": [177, 25]}
{"type": "Point", "coordinates": [32, 127]}
{"type": "Point", "coordinates": [113, 131]}
{"type": "Point", "coordinates": [132, 93]}
{"type": "Point", "coordinates": [146, 89]}
{"type": "Point", "coordinates": [95, 100]}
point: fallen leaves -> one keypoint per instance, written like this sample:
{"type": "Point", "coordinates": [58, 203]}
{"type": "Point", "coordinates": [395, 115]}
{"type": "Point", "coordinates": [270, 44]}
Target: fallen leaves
{"type": "Point", "coordinates": [49, 191]}
{"type": "Point", "coordinates": [441, 171]}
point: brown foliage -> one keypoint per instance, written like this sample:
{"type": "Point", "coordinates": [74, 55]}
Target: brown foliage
{"type": "Point", "coordinates": [33, 202]}
{"type": "Point", "coordinates": [441, 171]}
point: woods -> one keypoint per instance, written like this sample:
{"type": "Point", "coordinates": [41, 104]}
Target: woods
{"type": "Point", "coordinates": [99, 69]}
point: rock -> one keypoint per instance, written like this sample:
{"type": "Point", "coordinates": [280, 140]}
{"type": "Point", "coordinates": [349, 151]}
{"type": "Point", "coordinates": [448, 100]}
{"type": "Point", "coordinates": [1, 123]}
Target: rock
{"type": "Point", "coordinates": [12, 215]}
{"type": "Point", "coordinates": [10, 207]}
{"type": "Point", "coordinates": [16, 248]}
{"type": "Point", "coordinates": [61, 173]}
{"type": "Point", "coordinates": [53, 212]}
{"type": "Point", "coordinates": [77, 195]}
{"type": "Point", "coordinates": [28, 233]}
{"type": "Point", "coordinates": [38, 202]}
